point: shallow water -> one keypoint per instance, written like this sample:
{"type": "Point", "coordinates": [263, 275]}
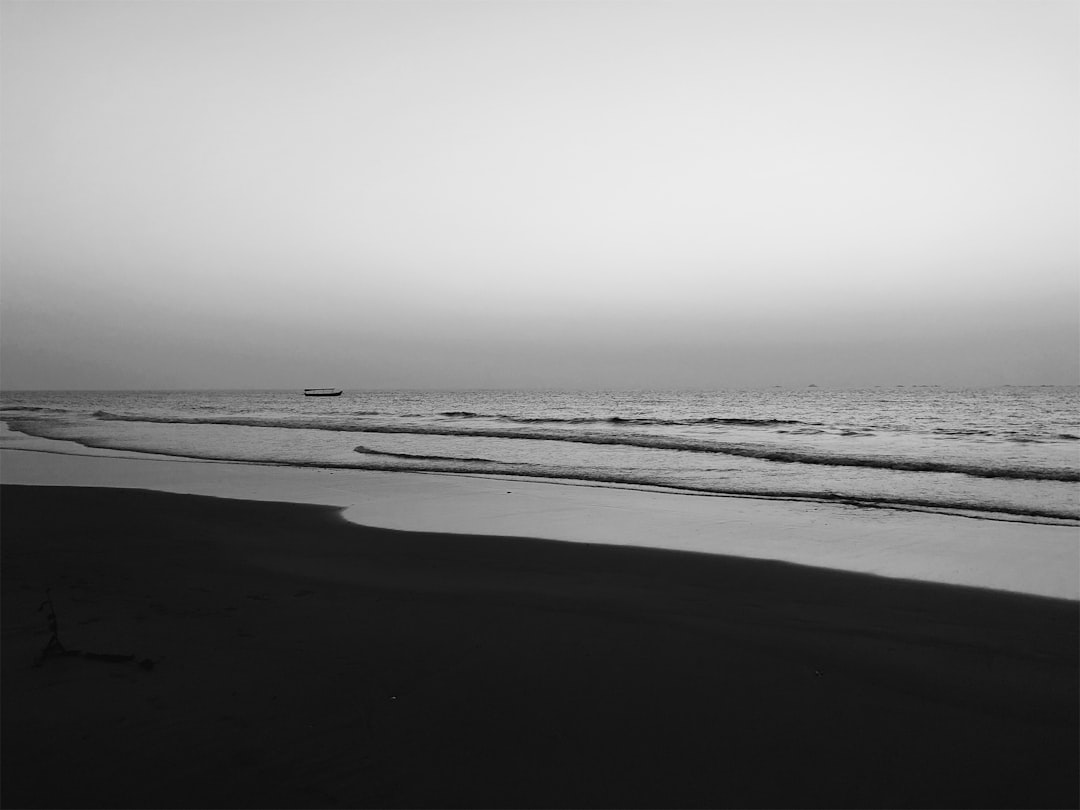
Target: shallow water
{"type": "Point", "coordinates": [1007, 452]}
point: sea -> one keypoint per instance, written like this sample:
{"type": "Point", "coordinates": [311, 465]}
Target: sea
{"type": "Point", "coordinates": [1009, 453]}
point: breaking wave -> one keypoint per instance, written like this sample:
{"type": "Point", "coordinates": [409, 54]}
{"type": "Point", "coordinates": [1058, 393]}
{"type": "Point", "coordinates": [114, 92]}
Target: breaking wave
{"type": "Point", "coordinates": [478, 466]}
{"type": "Point", "coordinates": [677, 443]}
{"type": "Point", "coordinates": [417, 457]}
{"type": "Point", "coordinates": [32, 409]}
{"type": "Point", "coordinates": [623, 420]}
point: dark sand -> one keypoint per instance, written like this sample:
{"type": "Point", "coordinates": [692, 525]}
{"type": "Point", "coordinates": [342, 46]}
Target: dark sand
{"type": "Point", "coordinates": [301, 661]}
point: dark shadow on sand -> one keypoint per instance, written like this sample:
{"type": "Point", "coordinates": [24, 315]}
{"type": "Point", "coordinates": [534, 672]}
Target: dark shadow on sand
{"type": "Point", "coordinates": [303, 661]}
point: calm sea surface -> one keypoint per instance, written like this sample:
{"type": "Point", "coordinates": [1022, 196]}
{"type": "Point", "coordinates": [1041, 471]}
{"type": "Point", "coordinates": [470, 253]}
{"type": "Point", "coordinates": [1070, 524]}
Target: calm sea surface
{"type": "Point", "coordinates": [1011, 453]}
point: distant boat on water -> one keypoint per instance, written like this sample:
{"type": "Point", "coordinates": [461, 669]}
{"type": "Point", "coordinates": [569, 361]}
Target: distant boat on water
{"type": "Point", "coordinates": [322, 392]}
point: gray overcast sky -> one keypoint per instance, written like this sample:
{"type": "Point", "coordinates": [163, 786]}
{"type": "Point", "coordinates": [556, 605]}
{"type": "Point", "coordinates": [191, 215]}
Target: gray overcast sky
{"type": "Point", "coordinates": [555, 194]}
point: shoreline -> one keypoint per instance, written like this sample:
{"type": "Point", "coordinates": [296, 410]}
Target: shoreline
{"type": "Point", "coordinates": [1039, 559]}
{"type": "Point", "coordinates": [9, 437]}
{"type": "Point", "coordinates": [301, 660]}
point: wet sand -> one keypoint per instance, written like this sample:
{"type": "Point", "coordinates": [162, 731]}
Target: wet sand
{"type": "Point", "coordinates": [1041, 560]}
{"type": "Point", "coordinates": [295, 659]}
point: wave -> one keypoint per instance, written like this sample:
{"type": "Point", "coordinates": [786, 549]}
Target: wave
{"type": "Point", "coordinates": [677, 443]}
{"type": "Point", "coordinates": [417, 457]}
{"type": "Point", "coordinates": [610, 478]}
{"type": "Point", "coordinates": [33, 408]}
{"type": "Point", "coordinates": [368, 459]}
{"type": "Point", "coordinates": [623, 420]}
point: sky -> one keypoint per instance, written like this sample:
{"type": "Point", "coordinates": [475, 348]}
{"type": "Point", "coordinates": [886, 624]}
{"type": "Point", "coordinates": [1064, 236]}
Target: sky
{"type": "Point", "coordinates": [551, 194]}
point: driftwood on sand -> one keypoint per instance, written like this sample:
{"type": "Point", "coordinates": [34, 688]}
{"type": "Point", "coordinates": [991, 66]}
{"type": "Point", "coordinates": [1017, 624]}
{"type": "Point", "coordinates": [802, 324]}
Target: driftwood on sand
{"type": "Point", "coordinates": [55, 648]}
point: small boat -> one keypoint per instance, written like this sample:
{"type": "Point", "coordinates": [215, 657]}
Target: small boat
{"type": "Point", "coordinates": [322, 392]}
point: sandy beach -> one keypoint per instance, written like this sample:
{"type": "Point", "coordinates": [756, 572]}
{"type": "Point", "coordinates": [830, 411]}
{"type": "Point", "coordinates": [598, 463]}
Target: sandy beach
{"type": "Point", "coordinates": [283, 656]}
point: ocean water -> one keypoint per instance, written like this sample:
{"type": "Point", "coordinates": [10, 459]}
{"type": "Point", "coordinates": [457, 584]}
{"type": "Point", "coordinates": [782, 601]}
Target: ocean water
{"type": "Point", "coordinates": [1006, 453]}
